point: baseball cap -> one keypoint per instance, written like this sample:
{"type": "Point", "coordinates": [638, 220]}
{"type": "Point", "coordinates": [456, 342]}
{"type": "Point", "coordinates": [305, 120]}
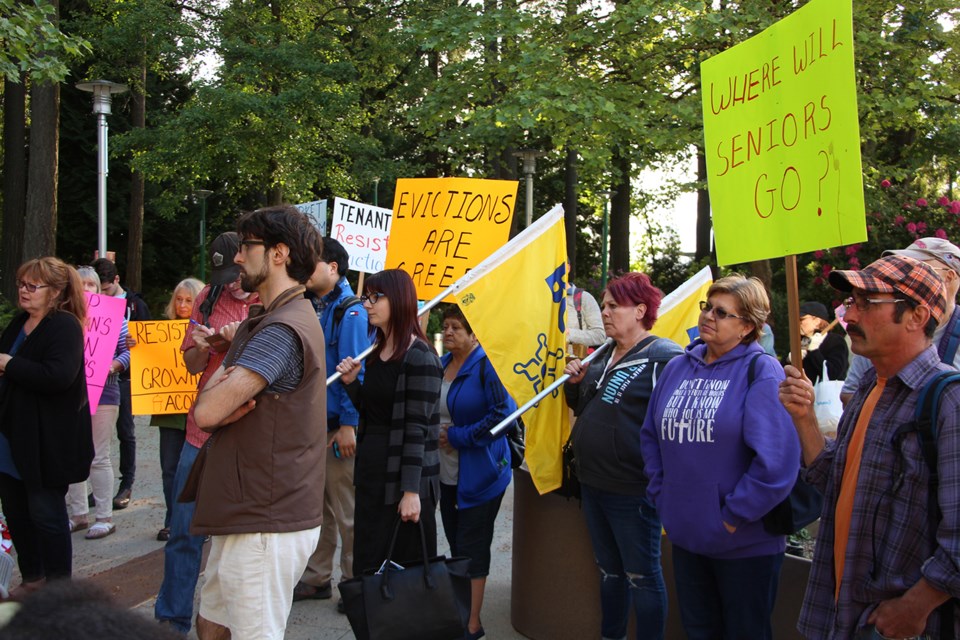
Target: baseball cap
{"type": "Point", "coordinates": [926, 248]}
{"type": "Point", "coordinates": [814, 308]}
{"type": "Point", "coordinates": [222, 250]}
{"type": "Point", "coordinates": [900, 275]}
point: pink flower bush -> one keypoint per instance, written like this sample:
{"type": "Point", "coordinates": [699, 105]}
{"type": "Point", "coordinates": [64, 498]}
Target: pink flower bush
{"type": "Point", "coordinates": [940, 233]}
{"type": "Point", "coordinates": [885, 184]}
{"type": "Point", "coordinates": [818, 254]}
{"type": "Point", "coordinates": [955, 207]}
{"type": "Point", "coordinates": [912, 227]}
{"type": "Point", "coordinates": [944, 201]}
{"type": "Point", "coordinates": [898, 221]}
{"type": "Point", "coordinates": [921, 202]}
{"type": "Point", "coordinates": [921, 227]}
{"type": "Point", "coordinates": [854, 262]}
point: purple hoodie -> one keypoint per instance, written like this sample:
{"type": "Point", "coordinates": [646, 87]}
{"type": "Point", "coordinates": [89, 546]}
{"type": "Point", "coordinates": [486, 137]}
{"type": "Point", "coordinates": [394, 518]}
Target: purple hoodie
{"type": "Point", "coordinates": [718, 451]}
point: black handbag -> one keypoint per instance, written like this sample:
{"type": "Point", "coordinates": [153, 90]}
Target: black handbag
{"type": "Point", "coordinates": [428, 600]}
{"type": "Point", "coordinates": [569, 482]}
{"type": "Point", "coordinates": [797, 510]}
{"type": "Point", "coordinates": [516, 439]}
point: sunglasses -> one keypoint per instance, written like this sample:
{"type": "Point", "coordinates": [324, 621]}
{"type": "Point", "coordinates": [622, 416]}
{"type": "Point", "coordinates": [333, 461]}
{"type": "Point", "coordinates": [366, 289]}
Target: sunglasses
{"type": "Point", "coordinates": [718, 312]}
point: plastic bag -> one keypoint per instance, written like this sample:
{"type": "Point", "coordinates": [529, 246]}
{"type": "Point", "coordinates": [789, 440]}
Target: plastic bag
{"type": "Point", "coordinates": [827, 405]}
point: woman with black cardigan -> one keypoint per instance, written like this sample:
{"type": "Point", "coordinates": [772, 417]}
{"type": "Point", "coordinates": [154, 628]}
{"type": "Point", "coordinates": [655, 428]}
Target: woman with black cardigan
{"type": "Point", "coordinates": [45, 436]}
{"type": "Point", "coordinates": [398, 464]}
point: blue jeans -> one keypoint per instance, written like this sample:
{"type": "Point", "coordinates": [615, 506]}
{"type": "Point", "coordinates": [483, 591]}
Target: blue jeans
{"type": "Point", "coordinates": [171, 444]}
{"type": "Point", "coordinates": [726, 599]}
{"type": "Point", "coordinates": [625, 532]}
{"type": "Point", "coordinates": [181, 555]}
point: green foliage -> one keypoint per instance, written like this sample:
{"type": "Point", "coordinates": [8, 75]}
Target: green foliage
{"type": "Point", "coordinates": [31, 43]}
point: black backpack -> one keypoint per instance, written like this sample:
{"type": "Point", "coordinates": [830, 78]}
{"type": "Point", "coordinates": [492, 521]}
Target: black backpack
{"type": "Point", "coordinates": [338, 313]}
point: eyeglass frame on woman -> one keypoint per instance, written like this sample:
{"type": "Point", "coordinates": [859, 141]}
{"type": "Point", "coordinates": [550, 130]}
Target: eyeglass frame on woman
{"type": "Point", "coordinates": [30, 287]}
{"type": "Point", "coordinates": [718, 312]}
{"type": "Point", "coordinates": [372, 298]}
{"type": "Point", "coordinates": [852, 301]}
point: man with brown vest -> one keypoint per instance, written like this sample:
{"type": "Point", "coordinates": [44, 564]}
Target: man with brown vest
{"type": "Point", "coordinates": [261, 473]}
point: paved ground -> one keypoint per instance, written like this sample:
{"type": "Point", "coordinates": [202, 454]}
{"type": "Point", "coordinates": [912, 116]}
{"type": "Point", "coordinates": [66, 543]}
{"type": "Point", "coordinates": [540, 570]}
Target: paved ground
{"type": "Point", "coordinates": [129, 563]}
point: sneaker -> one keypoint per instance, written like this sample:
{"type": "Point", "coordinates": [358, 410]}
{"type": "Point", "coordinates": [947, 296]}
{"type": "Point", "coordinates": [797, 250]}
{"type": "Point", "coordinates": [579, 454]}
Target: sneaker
{"type": "Point", "coordinates": [476, 635]}
{"type": "Point", "coordinates": [163, 535]}
{"type": "Point", "coordinates": [122, 499]}
{"type": "Point", "coordinates": [304, 591]}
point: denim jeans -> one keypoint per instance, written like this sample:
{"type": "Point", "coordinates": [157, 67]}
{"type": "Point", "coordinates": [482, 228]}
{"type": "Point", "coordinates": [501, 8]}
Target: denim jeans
{"type": "Point", "coordinates": [171, 444]}
{"type": "Point", "coordinates": [625, 532]}
{"type": "Point", "coordinates": [127, 436]}
{"type": "Point", "coordinates": [181, 555]}
{"type": "Point", "coordinates": [726, 599]}
{"type": "Point", "coordinates": [38, 526]}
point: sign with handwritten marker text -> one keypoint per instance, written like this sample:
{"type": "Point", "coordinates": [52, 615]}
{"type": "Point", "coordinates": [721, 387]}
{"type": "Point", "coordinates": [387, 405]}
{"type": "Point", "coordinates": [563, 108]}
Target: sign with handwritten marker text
{"type": "Point", "coordinates": [364, 231]}
{"type": "Point", "coordinates": [104, 320]}
{"type": "Point", "coordinates": [783, 140]}
{"type": "Point", "coordinates": [159, 380]}
{"type": "Point", "coordinates": [443, 227]}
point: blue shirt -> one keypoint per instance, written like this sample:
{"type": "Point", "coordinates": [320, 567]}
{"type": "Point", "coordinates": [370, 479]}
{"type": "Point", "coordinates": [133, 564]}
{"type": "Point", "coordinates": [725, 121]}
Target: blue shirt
{"type": "Point", "coordinates": [351, 337]}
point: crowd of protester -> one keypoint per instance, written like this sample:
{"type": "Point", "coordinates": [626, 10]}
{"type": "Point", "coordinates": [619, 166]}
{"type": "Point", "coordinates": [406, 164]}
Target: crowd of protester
{"type": "Point", "coordinates": [702, 442]}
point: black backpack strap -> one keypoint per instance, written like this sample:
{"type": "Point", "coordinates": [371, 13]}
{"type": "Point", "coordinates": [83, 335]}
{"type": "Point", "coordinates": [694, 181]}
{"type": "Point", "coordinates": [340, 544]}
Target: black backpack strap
{"type": "Point", "coordinates": [924, 423]}
{"type": "Point", "coordinates": [338, 313]}
{"type": "Point", "coordinates": [953, 342]}
{"type": "Point", "coordinates": [206, 307]}
{"type": "Point", "coordinates": [578, 305]}
{"type": "Point", "coordinates": [752, 367]}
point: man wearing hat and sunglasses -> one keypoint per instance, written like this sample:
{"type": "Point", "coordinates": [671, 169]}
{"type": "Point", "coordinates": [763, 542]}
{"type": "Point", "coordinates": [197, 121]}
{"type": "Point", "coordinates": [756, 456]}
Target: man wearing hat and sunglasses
{"type": "Point", "coordinates": [882, 565]}
{"type": "Point", "coordinates": [944, 258]}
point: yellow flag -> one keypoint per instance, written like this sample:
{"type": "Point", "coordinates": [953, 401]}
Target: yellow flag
{"type": "Point", "coordinates": [515, 302]}
{"type": "Point", "coordinates": [680, 311]}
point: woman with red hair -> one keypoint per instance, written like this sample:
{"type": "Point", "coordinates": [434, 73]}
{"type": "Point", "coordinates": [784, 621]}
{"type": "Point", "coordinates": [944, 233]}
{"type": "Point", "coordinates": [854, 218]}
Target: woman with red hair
{"type": "Point", "coordinates": [610, 401]}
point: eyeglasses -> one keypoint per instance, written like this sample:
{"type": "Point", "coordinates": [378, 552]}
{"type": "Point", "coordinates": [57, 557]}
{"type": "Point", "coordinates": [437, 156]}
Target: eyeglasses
{"type": "Point", "coordinates": [372, 298]}
{"type": "Point", "coordinates": [862, 304]}
{"type": "Point", "coordinates": [718, 312]}
{"type": "Point", "coordinates": [251, 243]}
{"type": "Point", "coordinates": [29, 286]}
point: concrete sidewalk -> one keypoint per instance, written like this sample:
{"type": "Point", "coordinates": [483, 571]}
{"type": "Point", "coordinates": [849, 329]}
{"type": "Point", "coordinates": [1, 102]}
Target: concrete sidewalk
{"type": "Point", "coordinates": [130, 562]}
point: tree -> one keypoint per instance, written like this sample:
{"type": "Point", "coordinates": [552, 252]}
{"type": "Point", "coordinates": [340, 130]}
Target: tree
{"type": "Point", "coordinates": [32, 44]}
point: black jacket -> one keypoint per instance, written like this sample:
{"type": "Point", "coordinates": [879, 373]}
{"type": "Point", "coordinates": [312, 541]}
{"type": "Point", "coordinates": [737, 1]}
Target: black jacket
{"type": "Point", "coordinates": [44, 411]}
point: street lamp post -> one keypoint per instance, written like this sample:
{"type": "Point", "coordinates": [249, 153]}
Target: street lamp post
{"type": "Point", "coordinates": [203, 194]}
{"type": "Point", "coordinates": [605, 240]}
{"type": "Point", "coordinates": [529, 157]}
{"type": "Point", "coordinates": [376, 191]}
{"type": "Point", "coordinates": [102, 91]}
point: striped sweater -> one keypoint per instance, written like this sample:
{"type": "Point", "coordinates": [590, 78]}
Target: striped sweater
{"type": "Point", "coordinates": [413, 458]}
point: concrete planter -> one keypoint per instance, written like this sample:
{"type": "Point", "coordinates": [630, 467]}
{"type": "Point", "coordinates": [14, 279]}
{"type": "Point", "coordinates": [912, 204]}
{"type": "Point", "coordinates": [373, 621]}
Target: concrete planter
{"type": "Point", "coordinates": [555, 585]}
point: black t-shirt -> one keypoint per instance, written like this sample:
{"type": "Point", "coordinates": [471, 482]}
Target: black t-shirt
{"type": "Point", "coordinates": [378, 390]}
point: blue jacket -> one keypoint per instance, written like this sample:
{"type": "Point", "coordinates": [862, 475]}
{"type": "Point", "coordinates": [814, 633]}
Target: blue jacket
{"type": "Point", "coordinates": [476, 407]}
{"type": "Point", "coordinates": [351, 337]}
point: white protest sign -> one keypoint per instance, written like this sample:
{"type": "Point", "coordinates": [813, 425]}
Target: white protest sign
{"type": "Point", "coordinates": [364, 231]}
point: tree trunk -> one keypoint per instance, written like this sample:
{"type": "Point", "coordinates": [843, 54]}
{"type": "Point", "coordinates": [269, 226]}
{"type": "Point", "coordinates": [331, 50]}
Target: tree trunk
{"type": "Point", "coordinates": [40, 233]}
{"type": "Point", "coordinates": [138, 119]}
{"type": "Point", "coordinates": [762, 270]}
{"type": "Point", "coordinates": [620, 215]}
{"type": "Point", "coordinates": [704, 224]}
{"type": "Point", "coordinates": [570, 207]}
{"type": "Point", "coordinates": [14, 182]}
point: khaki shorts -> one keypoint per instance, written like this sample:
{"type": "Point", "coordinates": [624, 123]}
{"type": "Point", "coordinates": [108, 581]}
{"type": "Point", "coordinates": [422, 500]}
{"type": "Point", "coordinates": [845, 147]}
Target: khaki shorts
{"type": "Point", "coordinates": [250, 579]}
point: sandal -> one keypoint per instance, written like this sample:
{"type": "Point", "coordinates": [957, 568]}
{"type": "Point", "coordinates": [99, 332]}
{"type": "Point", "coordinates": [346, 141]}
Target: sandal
{"type": "Point", "coordinates": [163, 535]}
{"type": "Point", "coordinates": [100, 530]}
{"type": "Point", "coordinates": [77, 525]}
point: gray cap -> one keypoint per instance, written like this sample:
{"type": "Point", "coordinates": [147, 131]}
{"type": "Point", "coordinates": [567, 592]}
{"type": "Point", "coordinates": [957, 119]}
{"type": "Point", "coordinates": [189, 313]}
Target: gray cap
{"type": "Point", "coordinates": [222, 250]}
{"type": "Point", "coordinates": [926, 248]}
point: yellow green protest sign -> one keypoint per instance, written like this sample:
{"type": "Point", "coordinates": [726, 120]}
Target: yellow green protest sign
{"type": "Point", "coordinates": [159, 380]}
{"type": "Point", "coordinates": [782, 138]}
{"type": "Point", "coordinates": [443, 227]}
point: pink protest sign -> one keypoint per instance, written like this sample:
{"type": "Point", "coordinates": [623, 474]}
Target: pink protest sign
{"type": "Point", "coordinates": [104, 319]}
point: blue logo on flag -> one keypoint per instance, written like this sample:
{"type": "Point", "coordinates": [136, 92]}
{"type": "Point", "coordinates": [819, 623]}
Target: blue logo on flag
{"type": "Point", "coordinates": [542, 370]}
{"type": "Point", "coordinates": [559, 290]}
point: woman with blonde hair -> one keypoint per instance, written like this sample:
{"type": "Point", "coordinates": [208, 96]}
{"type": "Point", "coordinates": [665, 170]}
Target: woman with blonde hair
{"type": "Point", "coordinates": [45, 434]}
{"type": "Point", "coordinates": [173, 426]}
{"type": "Point", "coordinates": [721, 452]}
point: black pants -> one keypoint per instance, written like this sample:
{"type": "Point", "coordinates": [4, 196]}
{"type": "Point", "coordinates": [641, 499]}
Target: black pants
{"type": "Point", "coordinates": [38, 526]}
{"type": "Point", "coordinates": [373, 526]}
{"type": "Point", "coordinates": [127, 437]}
